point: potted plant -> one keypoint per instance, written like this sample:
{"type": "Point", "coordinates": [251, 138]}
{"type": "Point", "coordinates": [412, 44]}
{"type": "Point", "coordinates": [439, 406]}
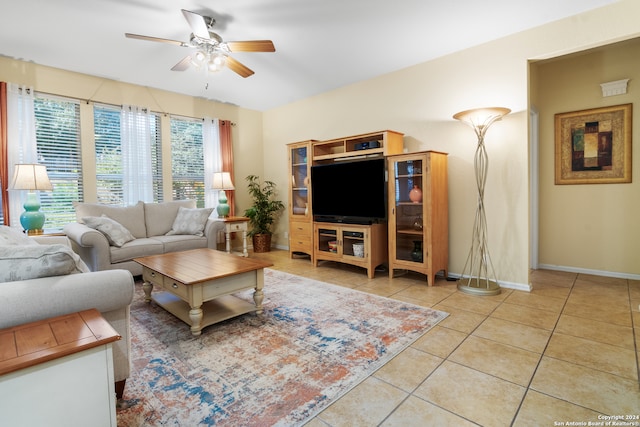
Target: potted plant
{"type": "Point", "coordinates": [262, 213]}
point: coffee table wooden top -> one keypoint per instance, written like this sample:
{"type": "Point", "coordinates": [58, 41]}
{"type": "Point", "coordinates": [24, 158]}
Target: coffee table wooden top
{"type": "Point", "coordinates": [200, 265]}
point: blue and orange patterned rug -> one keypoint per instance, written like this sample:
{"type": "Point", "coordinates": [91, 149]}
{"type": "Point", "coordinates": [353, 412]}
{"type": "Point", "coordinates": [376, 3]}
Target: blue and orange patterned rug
{"type": "Point", "coordinates": [313, 343]}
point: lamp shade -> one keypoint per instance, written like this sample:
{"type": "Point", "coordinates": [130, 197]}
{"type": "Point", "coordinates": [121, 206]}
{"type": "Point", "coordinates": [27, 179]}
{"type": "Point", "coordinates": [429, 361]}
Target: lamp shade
{"type": "Point", "coordinates": [481, 118]}
{"type": "Point", "coordinates": [29, 176]}
{"type": "Point", "coordinates": [222, 181]}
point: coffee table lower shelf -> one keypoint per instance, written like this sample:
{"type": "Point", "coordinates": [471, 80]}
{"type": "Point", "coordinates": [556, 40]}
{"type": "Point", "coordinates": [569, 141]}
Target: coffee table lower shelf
{"type": "Point", "coordinates": [214, 311]}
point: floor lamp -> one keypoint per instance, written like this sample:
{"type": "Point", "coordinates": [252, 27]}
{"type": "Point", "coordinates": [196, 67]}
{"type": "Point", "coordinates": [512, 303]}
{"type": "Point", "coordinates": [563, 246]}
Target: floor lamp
{"type": "Point", "coordinates": [478, 276]}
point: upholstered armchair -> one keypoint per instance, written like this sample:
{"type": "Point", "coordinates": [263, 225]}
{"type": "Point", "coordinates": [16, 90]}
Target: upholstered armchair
{"type": "Point", "coordinates": [43, 278]}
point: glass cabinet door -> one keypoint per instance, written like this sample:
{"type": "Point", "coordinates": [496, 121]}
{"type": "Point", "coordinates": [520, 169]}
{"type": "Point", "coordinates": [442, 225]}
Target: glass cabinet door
{"type": "Point", "coordinates": [408, 205]}
{"type": "Point", "coordinates": [299, 181]}
{"type": "Point", "coordinates": [353, 242]}
{"type": "Point", "coordinates": [327, 239]}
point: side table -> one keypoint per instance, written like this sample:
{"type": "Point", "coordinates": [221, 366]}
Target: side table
{"type": "Point", "coordinates": [48, 365]}
{"type": "Point", "coordinates": [233, 224]}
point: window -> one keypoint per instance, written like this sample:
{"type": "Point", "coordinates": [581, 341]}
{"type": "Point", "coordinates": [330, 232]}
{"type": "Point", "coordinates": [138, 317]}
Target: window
{"type": "Point", "coordinates": [109, 161]}
{"type": "Point", "coordinates": [58, 145]}
{"type": "Point", "coordinates": [187, 160]}
{"type": "Point", "coordinates": [108, 155]}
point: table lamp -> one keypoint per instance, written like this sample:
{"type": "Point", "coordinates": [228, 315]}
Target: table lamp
{"type": "Point", "coordinates": [222, 181]}
{"type": "Point", "coordinates": [31, 177]}
{"type": "Point", "coordinates": [478, 276]}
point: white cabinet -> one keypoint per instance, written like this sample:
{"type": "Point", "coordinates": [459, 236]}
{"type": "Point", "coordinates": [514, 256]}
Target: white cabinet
{"type": "Point", "coordinates": [58, 373]}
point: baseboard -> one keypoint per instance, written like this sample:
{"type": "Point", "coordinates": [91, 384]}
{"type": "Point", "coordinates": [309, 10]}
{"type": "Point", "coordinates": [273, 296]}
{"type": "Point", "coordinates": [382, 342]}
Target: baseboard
{"type": "Point", "coordinates": [526, 287]}
{"type": "Point", "coordinates": [503, 284]}
{"type": "Point", "coordinates": [589, 271]}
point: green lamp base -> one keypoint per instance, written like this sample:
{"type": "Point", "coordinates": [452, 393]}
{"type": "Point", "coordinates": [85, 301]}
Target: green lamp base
{"type": "Point", "coordinates": [32, 218]}
{"type": "Point", "coordinates": [223, 208]}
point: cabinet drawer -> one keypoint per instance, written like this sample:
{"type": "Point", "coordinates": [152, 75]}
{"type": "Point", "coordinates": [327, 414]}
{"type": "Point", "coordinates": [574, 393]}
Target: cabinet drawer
{"type": "Point", "coordinates": [297, 246]}
{"type": "Point", "coordinates": [298, 239]}
{"type": "Point", "coordinates": [152, 276]}
{"type": "Point", "coordinates": [298, 228]}
{"type": "Point", "coordinates": [176, 288]}
{"type": "Point", "coordinates": [241, 226]}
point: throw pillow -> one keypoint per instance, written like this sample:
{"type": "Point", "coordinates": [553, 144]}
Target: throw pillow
{"type": "Point", "coordinates": [190, 221]}
{"type": "Point", "coordinates": [130, 217]}
{"type": "Point", "coordinates": [25, 262]}
{"type": "Point", "coordinates": [116, 233]}
{"type": "Point", "coordinates": [11, 237]}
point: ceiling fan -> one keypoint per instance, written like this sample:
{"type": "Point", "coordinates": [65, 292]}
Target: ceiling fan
{"type": "Point", "coordinates": [210, 50]}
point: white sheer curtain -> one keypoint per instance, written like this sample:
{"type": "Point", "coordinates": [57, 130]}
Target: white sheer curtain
{"type": "Point", "coordinates": [136, 139]}
{"type": "Point", "coordinates": [21, 135]}
{"type": "Point", "coordinates": [212, 160]}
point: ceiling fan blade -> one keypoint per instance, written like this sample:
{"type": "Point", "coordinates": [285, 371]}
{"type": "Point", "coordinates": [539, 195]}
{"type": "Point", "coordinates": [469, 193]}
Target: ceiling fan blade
{"type": "Point", "coordinates": [197, 24]}
{"type": "Point", "coordinates": [252, 46]}
{"type": "Point", "coordinates": [239, 68]}
{"type": "Point", "coordinates": [155, 39]}
{"type": "Point", "coordinates": [183, 64]}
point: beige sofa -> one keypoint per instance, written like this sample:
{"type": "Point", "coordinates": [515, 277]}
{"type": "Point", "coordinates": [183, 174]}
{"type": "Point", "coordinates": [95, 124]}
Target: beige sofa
{"type": "Point", "coordinates": [38, 283]}
{"type": "Point", "coordinates": [155, 228]}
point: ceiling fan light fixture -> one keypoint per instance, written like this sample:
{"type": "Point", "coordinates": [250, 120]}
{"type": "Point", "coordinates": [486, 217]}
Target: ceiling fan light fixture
{"type": "Point", "coordinates": [217, 61]}
{"type": "Point", "coordinates": [198, 59]}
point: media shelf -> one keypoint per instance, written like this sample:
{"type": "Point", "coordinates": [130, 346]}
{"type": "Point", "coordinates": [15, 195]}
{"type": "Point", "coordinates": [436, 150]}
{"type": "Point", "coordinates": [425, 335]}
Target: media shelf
{"type": "Point", "coordinates": [310, 237]}
{"type": "Point", "coordinates": [373, 239]}
{"type": "Point", "coordinates": [377, 143]}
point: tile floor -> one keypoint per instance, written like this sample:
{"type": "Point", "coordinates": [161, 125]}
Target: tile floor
{"type": "Point", "coordinates": [564, 354]}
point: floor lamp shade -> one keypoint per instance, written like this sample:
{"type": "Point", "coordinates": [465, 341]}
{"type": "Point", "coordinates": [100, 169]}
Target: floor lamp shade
{"type": "Point", "coordinates": [478, 276]}
{"type": "Point", "coordinates": [222, 181]}
{"type": "Point", "coordinates": [31, 177]}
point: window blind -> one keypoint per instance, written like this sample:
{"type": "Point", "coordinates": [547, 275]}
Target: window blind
{"type": "Point", "coordinates": [187, 160]}
{"type": "Point", "coordinates": [58, 145]}
{"type": "Point", "coordinates": [109, 160]}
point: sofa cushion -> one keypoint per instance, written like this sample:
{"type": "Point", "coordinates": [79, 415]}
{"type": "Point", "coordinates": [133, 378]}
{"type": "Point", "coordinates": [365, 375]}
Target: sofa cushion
{"type": "Point", "coordinates": [190, 221]}
{"type": "Point", "coordinates": [10, 237]}
{"type": "Point", "coordinates": [159, 217]}
{"type": "Point", "coordinates": [131, 217]}
{"type": "Point", "coordinates": [136, 248]}
{"type": "Point", "coordinates": [116, 233]}
{"type": "Point", "coordinates": [23, 262]}
{"type": "Point", "coordinates": [181, 242]}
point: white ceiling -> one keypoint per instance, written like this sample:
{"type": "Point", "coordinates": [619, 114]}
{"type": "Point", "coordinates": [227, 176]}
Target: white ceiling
{"type": "Point", "coordinates": [320, 44]}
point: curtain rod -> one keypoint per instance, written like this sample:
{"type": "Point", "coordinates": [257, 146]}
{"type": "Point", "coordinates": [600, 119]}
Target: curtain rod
{"type": "Point", "coordinates": [88, 101]}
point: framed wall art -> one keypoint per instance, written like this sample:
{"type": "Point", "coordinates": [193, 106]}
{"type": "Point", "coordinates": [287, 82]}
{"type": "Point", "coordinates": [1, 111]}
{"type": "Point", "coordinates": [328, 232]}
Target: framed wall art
{"type": "Point", "coordinates": [593, 146]}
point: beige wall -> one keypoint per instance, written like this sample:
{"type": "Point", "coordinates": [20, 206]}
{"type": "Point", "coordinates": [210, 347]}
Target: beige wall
{"type": "Point", "coordinates": [419, 101]}
{"type": "Point", "coordinates": [590, 227]}
{"type": "Point", "coordinates": [247, 133]}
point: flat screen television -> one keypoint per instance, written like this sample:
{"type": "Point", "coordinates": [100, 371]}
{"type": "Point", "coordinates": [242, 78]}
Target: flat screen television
{"type": "Point", "coordinates": [351, 192]}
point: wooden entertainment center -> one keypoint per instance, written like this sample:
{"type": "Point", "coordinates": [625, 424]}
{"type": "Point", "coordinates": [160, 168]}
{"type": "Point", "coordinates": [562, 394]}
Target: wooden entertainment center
{"type": "Point", "coordinates": [372, 237]}
{"type": "Point", "coordinates": [372, 244]}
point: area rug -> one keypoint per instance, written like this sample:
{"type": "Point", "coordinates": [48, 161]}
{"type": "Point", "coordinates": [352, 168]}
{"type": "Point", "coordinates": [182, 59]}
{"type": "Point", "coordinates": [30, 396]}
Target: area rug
{"type": "Point", "coordinates": [313, 343]}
